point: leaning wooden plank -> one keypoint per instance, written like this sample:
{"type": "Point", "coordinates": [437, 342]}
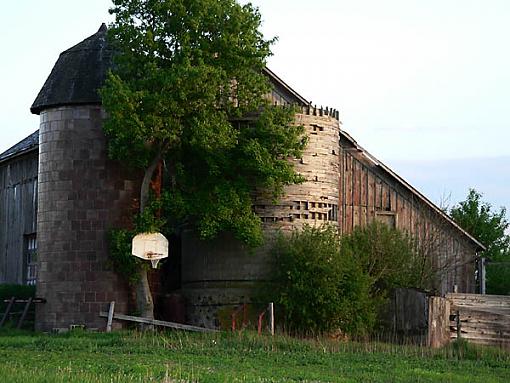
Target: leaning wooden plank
{"type": "Point", "coordinates": [25, 311]}
{"type": "Point", "coordinates": [110, 316]}
{"type": "Point", "coordinates": [7, 310]}
{"type": "Point", "coordinates": [156, 322]}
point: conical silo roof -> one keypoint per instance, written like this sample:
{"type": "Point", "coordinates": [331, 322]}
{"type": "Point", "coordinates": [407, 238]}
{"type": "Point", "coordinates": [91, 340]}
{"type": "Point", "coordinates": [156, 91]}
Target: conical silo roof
{"type": "Point", "coordinates": [77, 75]}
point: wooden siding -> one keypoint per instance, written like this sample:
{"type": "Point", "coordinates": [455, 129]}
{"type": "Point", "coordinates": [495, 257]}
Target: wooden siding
{"type": "Point", "coordinates": [483, 319]}
{"type": "Point", "coordinates": [368, 192]}
{"type": "Point", "coordinates": [18, 210]}
{"type": "Point", "coordinates": [314, 201]}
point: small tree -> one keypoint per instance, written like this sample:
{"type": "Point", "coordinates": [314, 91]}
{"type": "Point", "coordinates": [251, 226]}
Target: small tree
{"type": "Point", "coordinates": [489, 227]}
{"type": "Point", "coordinates": [186, 75]}
{"type": "Point", "coordinates": [317, 287]}
{"type": "Point", "coordinates": [388, 256]}
{"type": "Point", "coordinates": [323, 282]}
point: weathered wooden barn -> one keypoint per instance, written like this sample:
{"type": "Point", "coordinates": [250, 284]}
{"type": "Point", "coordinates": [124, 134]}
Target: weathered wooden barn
{"type": "Point", "coordinates": [18, 211]}
{"type": "Point", "coordinates": [59, 194]}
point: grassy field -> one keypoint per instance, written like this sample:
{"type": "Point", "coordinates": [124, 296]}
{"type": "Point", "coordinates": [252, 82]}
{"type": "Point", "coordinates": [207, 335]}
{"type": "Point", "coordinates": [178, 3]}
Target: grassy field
{"type": "Point", "coordinates": [222, 357]}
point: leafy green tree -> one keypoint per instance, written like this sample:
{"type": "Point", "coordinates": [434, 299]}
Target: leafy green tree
{"type": "Point", "coordinates": [187, 88]}
{"type": "Point", "coordinates": [318, 288]}
{"type": "Point", "coordinates": [389, 256]}
{"type": "Point", "coordinates": [488, 226]}
{"type": "Point", "coordinates": [325, 282]}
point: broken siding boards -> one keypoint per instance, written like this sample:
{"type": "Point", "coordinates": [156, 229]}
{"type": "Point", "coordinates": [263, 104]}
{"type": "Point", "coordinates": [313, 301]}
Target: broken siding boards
{"type": "Point", "coordinates": [484, 319]}
{"type": "Point", "coordinates": [314, 201]}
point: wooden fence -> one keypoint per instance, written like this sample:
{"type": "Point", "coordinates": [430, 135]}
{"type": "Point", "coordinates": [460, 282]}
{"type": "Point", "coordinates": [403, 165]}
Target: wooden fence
{"type": "Point", "coordinates": [481, 319]}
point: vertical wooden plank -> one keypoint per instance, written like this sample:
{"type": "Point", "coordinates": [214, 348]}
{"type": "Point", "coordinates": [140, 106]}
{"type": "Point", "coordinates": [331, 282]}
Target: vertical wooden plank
{"type": "Point", "coordinates": [384, 196]}
{"type": "Point", "coordinates": [271, 318]}
{"type": "Point", "coordinates": [363, 186]}
{"type": "Point", "coordinates": [438, 322]}
{"type": "Point", "coordinates": [393, 199]}
{"type": "Point", "coordinates": [7, 311]}
{"type": "Point", "coordinates": [356, 183]}
{"type": "Point", "coordinates": [378, 194]}
{"type": "Point", "coordinates": [25, 311]}
{"type": "Point", "coordinates": [110, 317]}
{"type": "Point", "coordinates": [341, 190]}
{"type": "Point", "coordinates": [356, 192]}
{"type": "Point", "coordinates": [364, 196]}
{"type": "Point", "coordinates": [348, 193]}
{"type": "Point", "coordinates": [401, 213]}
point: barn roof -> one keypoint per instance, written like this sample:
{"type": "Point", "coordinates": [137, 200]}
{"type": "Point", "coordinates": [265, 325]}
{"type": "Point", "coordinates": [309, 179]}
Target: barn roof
{"type": "Point", "coordinates": [77, 75]}
{"type": "Point", "coordinates": [26, 145]}
{"type": "Point", "coordinates": [346, 137]}
{"type": "Point", "coordinates": [290, 94]}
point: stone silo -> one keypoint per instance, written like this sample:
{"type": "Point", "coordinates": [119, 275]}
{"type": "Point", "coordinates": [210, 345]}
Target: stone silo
{"type": "Point", "coordinates": [81, 192]}
{"type": "Point", "coordinates": [219, 275]}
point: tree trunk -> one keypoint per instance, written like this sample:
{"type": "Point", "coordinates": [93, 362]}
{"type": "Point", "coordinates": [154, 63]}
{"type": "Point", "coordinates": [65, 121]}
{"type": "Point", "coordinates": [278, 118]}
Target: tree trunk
{"type": "Point", "coordinates": [144, 190]}
{"type": "Point", "coordinates": [144, 302]}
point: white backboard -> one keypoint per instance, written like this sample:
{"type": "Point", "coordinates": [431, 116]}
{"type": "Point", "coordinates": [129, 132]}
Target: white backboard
{"type": "Point", "coordinates": [150, 246]}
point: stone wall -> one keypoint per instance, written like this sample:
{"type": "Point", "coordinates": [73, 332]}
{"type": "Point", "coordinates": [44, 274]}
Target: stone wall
{"type": "Point", "coordinates": [81, 195]}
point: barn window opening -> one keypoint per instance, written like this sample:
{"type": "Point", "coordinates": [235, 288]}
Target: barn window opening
{"type": "Point", "coordinates": [30, 259]}
{"type": "Point", "coordinates": [387, 217]}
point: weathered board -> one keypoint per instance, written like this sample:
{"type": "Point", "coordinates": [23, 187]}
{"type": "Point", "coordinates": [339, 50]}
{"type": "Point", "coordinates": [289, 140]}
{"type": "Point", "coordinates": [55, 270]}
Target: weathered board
{"type": "Point", "coordinates": [484, 319]}
{"type": "Point", "coordinates": [438, 322]}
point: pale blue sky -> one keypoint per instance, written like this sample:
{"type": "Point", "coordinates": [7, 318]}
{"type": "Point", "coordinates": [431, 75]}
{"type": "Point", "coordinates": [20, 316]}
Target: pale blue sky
{"type": "Point", "coordinates": [423, 85]}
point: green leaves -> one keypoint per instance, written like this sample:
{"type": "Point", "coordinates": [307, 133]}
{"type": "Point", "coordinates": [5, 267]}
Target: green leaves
{"type": "Point", "coordinates": [324, 282]}
{"type": "Point", "coordinates": [488, 226]}
{"type": "Point", "coordinates": [185, 74]}
{"type": "Point", "coordinates": [318, 288]}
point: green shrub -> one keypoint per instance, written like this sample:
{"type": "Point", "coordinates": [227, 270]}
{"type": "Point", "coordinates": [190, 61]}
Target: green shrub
{"type": "Point", "coordinates": [323, 282]}
{"type": "Point", "coordinates": [316, 287]}
{"type": "Point", "coordinates": [387, 256]}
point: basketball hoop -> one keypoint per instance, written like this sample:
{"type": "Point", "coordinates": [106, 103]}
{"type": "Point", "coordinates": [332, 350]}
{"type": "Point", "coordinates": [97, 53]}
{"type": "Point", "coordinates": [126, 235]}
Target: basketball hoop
{"type": "Point", "coordinates": [150, 247]}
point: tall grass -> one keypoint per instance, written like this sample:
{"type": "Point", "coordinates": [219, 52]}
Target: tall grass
{"type": "Point", "coordinates": [79, 356]}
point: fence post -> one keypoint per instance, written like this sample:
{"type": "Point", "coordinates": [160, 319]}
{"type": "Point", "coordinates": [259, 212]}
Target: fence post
{"type": "Point", "coordinates": [110, 317]}
{"type": "Point", "coordinates": [271, 318]}
{"type": "Point", "coordinates": [458, 324]}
